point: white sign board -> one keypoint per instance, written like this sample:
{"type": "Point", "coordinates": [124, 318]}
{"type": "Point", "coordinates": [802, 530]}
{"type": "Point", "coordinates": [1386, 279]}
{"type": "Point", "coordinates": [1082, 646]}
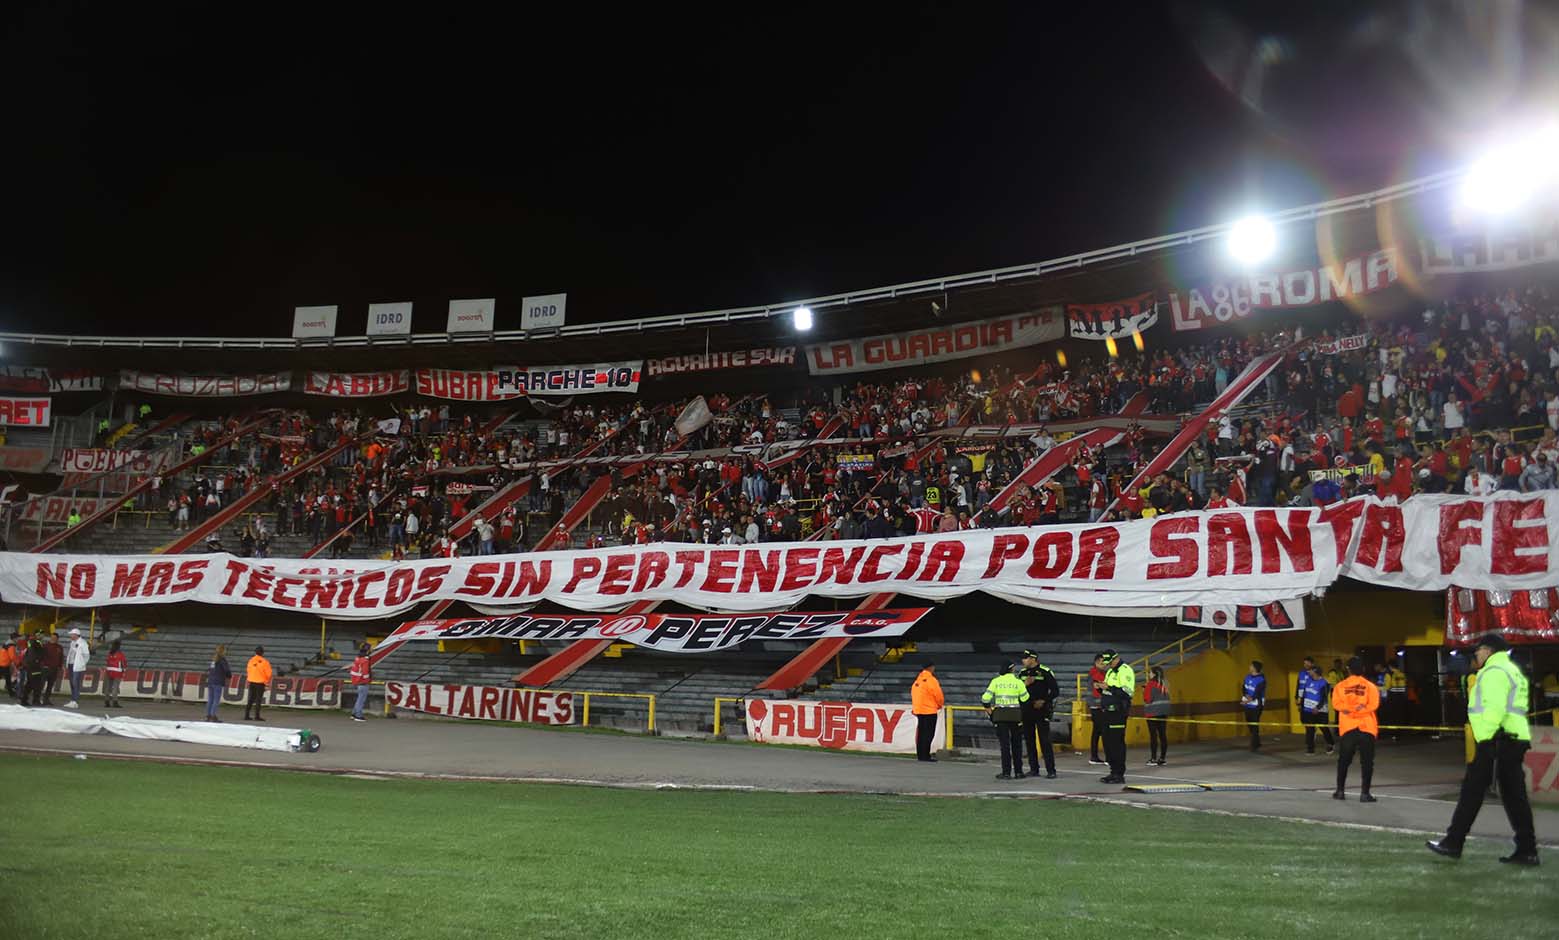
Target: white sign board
{"type": "Point", "coordinates": [389, 319]}
{"type": "Point", "coordinates": [471, 316]}
{"type": "Point", "coordinates": [544, 311]}
{"type": "Point", "coordinates": [313, 321]}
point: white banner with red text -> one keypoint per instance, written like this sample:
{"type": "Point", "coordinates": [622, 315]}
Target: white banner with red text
{"type": "Point", "coordinates": [1342, 344]}
{"type": "Point", "coordinates": [667, 633]}
{"type": "Point", "coordinates": [483, 702]}
{"type": "Point", "coordinates": [1229, 301]}
{"type": "Point", "coordinates": [1241, 556]}
{"type": "Point", "coordinates": [849, 726]}
{"type": "Point", "coordinates": [357, 384]}
{"type": "Point", "coordinates": [204, 386]}
{"type": "Point", "coordinates": [937, 344]}
{"type": "Point", "coordinates": [24, 412]}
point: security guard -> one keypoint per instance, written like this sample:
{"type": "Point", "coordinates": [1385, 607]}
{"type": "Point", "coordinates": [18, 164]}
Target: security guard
{"type": "Point", "coordinates": [1003, 701]}
{"type": "Point", "coordinates": [1043, 691]}
{"type": "Point", "coordinates": [1120, 682]}
{"type": "Point", "coordinates": [1498, 715]}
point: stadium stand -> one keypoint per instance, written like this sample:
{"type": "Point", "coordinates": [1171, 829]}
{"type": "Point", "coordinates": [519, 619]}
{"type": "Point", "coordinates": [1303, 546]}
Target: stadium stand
{"type": "Point", "coordinates": [1461, 395]}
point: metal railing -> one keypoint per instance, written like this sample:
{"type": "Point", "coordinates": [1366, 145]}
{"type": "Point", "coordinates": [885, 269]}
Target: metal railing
{"type": "Point", "coordinates": [649, 724]}
{"type": "Point", "coordinates": [930, 286]}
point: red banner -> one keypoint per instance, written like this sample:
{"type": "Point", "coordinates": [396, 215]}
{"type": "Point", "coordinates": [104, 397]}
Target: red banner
{"type": "Point", "coordinates": [464, 385]}
{"type": "Point", "coordinates": [483, 703]}
{"type": "Point", "coordinates": [24, 412]}
{"type": "Point", "coordinates": [739, 359]}
{"type": "Point", "coordinates": [1229, 301]}
{"type": "Point", "coordinates": [56, 509]}
{"type": "Point", "coordinates": [24, 459]}
{"type": "Point", "coordinates": [1519, 616]}
{"type": "Point", "coordinates": [357, 384]}
{"type": "Point", "coordinates": [204, 386]}
{"type": "Point", "coordinates": [938, 344]}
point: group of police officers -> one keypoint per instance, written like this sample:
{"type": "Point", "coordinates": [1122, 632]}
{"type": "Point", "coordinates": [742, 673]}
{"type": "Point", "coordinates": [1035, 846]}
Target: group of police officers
{"type": "Point", "coordinates": [1021, 699]}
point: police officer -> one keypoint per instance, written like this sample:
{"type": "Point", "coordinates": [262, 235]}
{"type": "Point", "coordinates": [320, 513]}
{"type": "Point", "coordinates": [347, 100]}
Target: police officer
{"type": "Point", "coordinates": [1120, 681]}
{"type": "Point", "coordinates": [1003, 701]}
{"type": "Point", "coordinates": [1498, 716]}
{"type": "Point", "coordinates": [1043, 690]}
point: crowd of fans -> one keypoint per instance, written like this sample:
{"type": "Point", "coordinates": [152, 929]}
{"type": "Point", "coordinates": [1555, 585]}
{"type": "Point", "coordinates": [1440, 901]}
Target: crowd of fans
{"type": "Point", "coordinates": [1463, 396]}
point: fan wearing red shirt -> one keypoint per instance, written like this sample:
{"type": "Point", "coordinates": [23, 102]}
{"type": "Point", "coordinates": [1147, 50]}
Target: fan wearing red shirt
{"type": "Point", "coordinates": [1402, 479]}
{"type": "Point", "coordinates": [1375, 429]}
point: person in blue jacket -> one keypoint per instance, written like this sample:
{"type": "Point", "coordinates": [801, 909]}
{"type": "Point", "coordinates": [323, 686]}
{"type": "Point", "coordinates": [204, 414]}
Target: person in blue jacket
{"type": "Point", "coordinates": [1253, 698]}
{"type": "Point", "coordinates": [1314, 696]}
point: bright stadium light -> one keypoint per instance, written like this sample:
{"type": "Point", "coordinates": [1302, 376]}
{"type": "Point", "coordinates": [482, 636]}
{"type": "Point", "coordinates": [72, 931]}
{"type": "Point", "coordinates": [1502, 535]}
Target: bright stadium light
{"type": "Point", "coordinates": [1509, 176]}
{"type": "Point", "coordinates": [1252, 240]}
{"type": "Point", "coordinates": [802, 318]}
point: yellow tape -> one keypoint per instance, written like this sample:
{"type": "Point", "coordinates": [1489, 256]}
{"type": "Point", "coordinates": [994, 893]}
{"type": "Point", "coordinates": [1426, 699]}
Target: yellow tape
{"type": "Point", "coordinates": [1289, 724]}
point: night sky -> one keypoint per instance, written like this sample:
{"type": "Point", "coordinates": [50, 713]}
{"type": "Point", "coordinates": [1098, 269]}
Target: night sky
{"type": "Point", "coordinates": [186, 171]}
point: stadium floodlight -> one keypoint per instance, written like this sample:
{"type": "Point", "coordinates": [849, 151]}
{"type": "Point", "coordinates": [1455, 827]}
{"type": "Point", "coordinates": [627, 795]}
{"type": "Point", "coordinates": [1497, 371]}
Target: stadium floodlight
{"type": "Point", "coordinates": [1252, 240]}
{"type": "Point", "coordinates": [802, 318]}
{"type": "Point", "coordinates": [1507, 177]}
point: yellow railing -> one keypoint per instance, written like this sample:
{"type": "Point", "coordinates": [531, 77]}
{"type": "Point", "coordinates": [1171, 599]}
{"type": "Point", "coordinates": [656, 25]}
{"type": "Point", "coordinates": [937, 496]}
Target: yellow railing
{"type": "Point", "coordinates": [1192, 642]}
{"type": "Point", "coordinates": [949, 710]}
{"type": "Point", "coordinates": [718, 699]}
{"type": "Point", "coordinates": [649, 725]}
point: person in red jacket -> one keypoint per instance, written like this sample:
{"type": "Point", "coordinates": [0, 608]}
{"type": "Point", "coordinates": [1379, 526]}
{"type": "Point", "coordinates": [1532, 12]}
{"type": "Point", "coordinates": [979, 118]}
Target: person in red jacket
{"type": "Point", "coordinates": [362, 677]}
{"type": "Point", "coordinates": [113, 674]}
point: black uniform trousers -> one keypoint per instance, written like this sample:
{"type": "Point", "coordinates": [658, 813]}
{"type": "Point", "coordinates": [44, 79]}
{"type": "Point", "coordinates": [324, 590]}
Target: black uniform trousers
{"type": "Point", "coordinates": [1364, 743]}
{"type": "Point", "coordinates": [925, 730]}
{"type": "Point", "coordinates": [1253, 724]}
{"type": "Point", "coordinates": [37, 687]}
{"type": "Point", "coordinates": [1313, 722]}
{"type": "Point", "coordinates": [1498, 758]}
{"type": "Point", "coordinates": [1034, 737]}
{"type": "Point", "coordinates": [1115, 746]}
{"type": "Point", "coordinates": [1007, 737]}
{"type": "Point", "coordinates": [256, 696]}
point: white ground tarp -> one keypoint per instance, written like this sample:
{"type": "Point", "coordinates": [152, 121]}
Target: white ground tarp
{"type": "Point", "coordinates": [17, 718]}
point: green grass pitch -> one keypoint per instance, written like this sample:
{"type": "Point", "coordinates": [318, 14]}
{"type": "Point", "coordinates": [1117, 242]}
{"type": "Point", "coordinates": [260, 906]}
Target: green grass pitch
{"type": "Point", "coordinates": [103, 848]}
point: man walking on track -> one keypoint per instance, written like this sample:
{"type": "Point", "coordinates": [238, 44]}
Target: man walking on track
{"type": "Point", "coordinates": [1498, 716]}
{"type": "Point", "coordinates": [925, 698]}
{"type": "Point", "coordinates": [1356, 699]}
{"type": "Point", "coordinates": [259, 674]}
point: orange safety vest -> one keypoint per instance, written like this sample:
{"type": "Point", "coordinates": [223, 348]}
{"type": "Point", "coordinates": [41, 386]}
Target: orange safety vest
{"type": "Point", "coordinates": [1356, 700]}
{"type": "Point", "coordinates": [259, 670]}
{"type": "Point", "coordinates": [925, 696]}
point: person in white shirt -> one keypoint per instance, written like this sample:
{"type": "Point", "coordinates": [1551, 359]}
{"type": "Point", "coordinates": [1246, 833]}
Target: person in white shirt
{"type": "Point", "coordinates": [1453, 416]}
{"type": "Point", "coordinates": [76, 661]}
{"type": "Point", "coordinates": [1479, 483]}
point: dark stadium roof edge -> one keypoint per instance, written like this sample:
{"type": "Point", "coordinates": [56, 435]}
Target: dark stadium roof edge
{"type": "Point", "coordinates": [878, 308]}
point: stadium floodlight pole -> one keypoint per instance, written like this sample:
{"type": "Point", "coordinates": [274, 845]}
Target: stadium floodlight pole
{"type": "Point", "coordinates": [761, 312]}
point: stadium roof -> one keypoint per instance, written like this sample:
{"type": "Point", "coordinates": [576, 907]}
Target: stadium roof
{"type": "Point", "coordinates": [1099, 274]}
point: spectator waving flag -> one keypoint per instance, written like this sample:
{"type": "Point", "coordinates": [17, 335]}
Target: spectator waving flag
{"type": "Point", "coordinates": [694, 416]}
